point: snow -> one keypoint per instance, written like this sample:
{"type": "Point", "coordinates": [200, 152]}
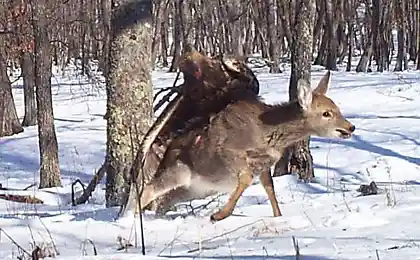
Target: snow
{"type": "Point", "coordinates": [327, 217]}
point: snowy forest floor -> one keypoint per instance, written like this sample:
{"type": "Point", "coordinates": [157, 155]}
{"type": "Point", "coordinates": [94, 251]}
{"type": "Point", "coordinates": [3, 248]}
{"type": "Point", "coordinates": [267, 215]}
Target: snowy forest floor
{"type": "Point", "coordinates": [327, 217]}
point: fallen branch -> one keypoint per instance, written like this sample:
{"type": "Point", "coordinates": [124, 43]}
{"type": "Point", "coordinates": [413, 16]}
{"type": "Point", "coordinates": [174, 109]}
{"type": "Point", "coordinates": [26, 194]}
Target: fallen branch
{"type": "Point", "coordinates": [13, 189]}
{"type": "Point", "coordinates": [92, 185]}
{"type": "Point", "coordinates": [95, 252]}
{"type": "Point", "coordinates": [78, 181]}
{"type": "Point", "coordinates": [21, 198]}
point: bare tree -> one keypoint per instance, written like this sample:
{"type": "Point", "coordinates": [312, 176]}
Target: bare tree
{"type": "Point", "coordinates": [9, 121]}
{"type": "Point", "coordinates": [129, 92]}
{"type": "Point", "coordinates": [417, 38]}
{"type": "Point", "coordinates": [362, 66]}
{"type": "Point", "coordinates": [297, 158]}
{"type": "Point", "coordinates": [27, 66]}
{"type": "Point", "coordinates": [401, 35]}
{"type": "Point", "coordinates": [48, 146]}
{"type": "Point", "coordinates": [273, 43]}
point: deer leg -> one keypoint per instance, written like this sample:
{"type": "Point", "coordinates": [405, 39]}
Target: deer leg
{"type": "Point", "coordinates": [245, 179]}
{"type": "Point", "coordinates": [173, 177]}
{"type": "Point", "coordinates": [267, 182]}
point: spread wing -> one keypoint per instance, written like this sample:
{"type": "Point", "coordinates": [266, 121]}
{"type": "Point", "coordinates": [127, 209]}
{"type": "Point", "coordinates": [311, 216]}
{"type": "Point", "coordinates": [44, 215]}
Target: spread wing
{"type": "Point", "coordinates": [210, 84]}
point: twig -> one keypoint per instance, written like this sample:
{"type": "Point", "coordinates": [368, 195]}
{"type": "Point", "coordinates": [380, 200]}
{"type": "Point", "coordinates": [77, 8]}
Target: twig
{"type": "Point", "coordinates": [203, 206]}
{"type": "Point", "coordinates": [172, 89]}
{"type": "Point", "coordinates": [172, 242]}
{"type": "Point", "coordinates": [231, 231]}
{"type": "Point", "coordinates": [230, 249]}
{"type": "Point", "coordinates": [138, 193]}
{"type": "Point", "coordinates": [78, 181]}
{"type": "Point", "coordinates": [265, 251]}
{"type": "Point", "coordinates": [296, 246]}
{"type": "Point", "coordinates": [202, 249]}
{"type": "Point", "coordinates": [49, 234]}
{"type": "Point", "coordinates": [377, 254]}
{"type": "Point", "coordinates": [14, 242]}
{"type": "Point", "coordinates": [32, 235]}
{"type": "Point", "coordinates": [30, 186]}
{"type": "Point", "coordinates": [176, 236]}
{"type": "Point", "coordinates": [95, 252]}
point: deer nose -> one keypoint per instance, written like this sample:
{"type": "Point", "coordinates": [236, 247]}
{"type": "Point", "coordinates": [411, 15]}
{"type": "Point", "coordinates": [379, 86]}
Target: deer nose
{"type": "Point", "coordinates": [352, 128]}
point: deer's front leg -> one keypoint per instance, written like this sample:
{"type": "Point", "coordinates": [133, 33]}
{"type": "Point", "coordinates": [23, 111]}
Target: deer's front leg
{"type": "Point", "coordinates": [260, 162]}
{"type": "Point", "coordinates": [267, 182]}
{"type": "Point", "coordinates": [244, 180]}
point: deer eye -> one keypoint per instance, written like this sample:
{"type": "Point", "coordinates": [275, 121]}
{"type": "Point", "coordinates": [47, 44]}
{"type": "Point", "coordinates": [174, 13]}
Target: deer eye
{"type": "Point", "coordinates": [327, 114]}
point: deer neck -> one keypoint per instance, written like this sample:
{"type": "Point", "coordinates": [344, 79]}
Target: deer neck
{"type": "Point", "coordinates": [284, 125]}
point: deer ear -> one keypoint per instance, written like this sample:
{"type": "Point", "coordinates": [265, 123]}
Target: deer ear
{"type": "Point", "coordinates": [323, 84]}
{"type": "Point", "coordinates": [304, 94]}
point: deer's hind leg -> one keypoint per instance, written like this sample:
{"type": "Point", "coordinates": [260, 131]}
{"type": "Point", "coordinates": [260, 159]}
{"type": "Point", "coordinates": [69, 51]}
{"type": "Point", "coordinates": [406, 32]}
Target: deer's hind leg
{"type": "Point", "coordinates": [169, 179]}
{"type": "Point", "coordinates": [244, 180]}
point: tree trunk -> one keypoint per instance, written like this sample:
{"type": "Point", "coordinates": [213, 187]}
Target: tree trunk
{"type": "Point", "coordinates": [9, 121]}
{"type": "Point", "coordinates": [297, 158]}
{"type": "Point", "coordinates": [129, 92]}
{"type": "Point", "coordinates": [27, 66]}
{"type": "Point", "coordinates": [418, 34]}
{"type": "Point", "coordinates": [401, 35]}
{"type": "Point", "coordinates": [350, 36]}
{"type": "Point", "coordinates": [177, 36]}
{"type": "Point", "coordinates": [362, 66]}
{"type": "Point", "coordinates": [331, 31]}
{"type": "Point", "coordinates": [273, 43]}
{"type": "Point", "coordinates": [106, 12]}
{"type": "Point", "coordinates": [158, 14]}
{"type": "Point", "coordinates": [49, 172]}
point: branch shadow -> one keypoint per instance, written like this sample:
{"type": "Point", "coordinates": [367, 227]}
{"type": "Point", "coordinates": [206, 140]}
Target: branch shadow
{"type": "Point", "coordinates": [253, 257]}
{"type": "Point", "coordinates": [364, 145]}
{"type": "Point", "coordinates": [357, 176]}
{"type": "Point", "coordinates": [371, 116]}
{"type": "Point", "coordinates": [31, 165]}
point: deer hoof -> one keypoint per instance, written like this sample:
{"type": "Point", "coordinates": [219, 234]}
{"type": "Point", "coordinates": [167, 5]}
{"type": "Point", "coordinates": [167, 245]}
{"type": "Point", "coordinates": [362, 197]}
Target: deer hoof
{"type": "Point", "coordinates": [217, 217]}
{"type": "Point", "coordinates": [213, 219]}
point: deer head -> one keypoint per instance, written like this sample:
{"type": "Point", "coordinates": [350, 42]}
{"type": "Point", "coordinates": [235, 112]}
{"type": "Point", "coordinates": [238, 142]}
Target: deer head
{"type": "Point", "coordinates": [322, 115]}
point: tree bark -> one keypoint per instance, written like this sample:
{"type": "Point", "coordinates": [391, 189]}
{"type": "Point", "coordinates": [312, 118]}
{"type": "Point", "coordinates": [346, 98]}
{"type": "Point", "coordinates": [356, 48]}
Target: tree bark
{"type": "Point", "coordinates": [177, 36]}
{"type": "Point", "coordinates": [418, 34]}
{"type": "Point", "coordinates": [27, 65]}
{"type": "Point", "coordinates": [273, 43]}
{"type": "Point", "coordinates": [48, 147]}
{"type": "Point", "coordinates": [401, 36]}
{"type": "Point", "coordinates": [129, 92]}
{"type": "Point", "coordinates": [362, 66]}
{"type": "Point", "coordinates": [9, 121]}
{"type": "Point", "coordinates": [297, 158]}
{"type": "Point", "coordinates": [106, 16]}
{"type": "Point", "coordinates": [331, 31]}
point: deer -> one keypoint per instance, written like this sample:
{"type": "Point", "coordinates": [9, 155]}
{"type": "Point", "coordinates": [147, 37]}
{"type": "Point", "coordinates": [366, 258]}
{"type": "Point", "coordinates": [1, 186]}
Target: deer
{"type": "Point", "coordinates": [240, 143]}
{"type": "Point", "coordinates": [210, 84]}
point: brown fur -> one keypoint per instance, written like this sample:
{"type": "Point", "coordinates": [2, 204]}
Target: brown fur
{"type": "Point", "coordinates": [241, 141]}
{"type": "Point", "coordinates": [210, 84]}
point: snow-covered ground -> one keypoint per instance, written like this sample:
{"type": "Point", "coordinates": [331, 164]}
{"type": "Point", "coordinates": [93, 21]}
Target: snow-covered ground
{"type": "Point", "coordinates": [327, 218]}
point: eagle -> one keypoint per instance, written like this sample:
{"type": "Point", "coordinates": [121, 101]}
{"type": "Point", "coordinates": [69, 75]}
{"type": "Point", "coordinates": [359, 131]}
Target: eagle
{"type": "Point", "coordinates": [210, 85]}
